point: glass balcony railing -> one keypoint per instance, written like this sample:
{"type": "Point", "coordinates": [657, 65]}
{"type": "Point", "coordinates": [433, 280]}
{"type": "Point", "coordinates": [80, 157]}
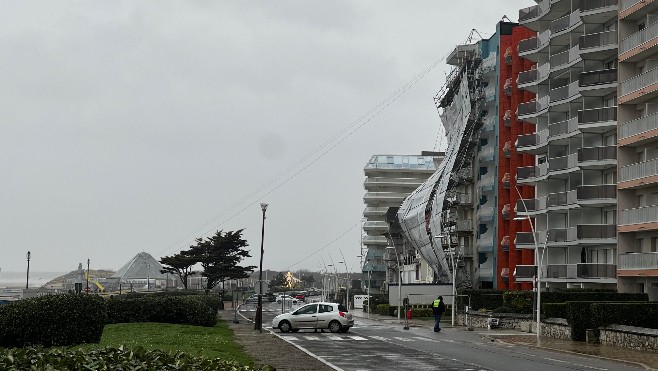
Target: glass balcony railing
{"type": "Point", "coordinates": [596, 192]}
{"type": "Point", "coordinates": [525, 206]}
{"type": "Point", "coordinates": [591, 78]}
{"type": "Point", "coordinates": [638, 38]}
{"type": "Point", "coordinates": [590, 116]}
{"type": "Point", "coordinates": [561, 199]}
{"type": "Point", "coordinates": [565, 57]}
{"type": "Point", "coordinates": [597, 40]}
{"type": "Point", "coordinates": [525, 271]}
{"type": "Point", "coordinates": [589, 5]}
{"type": "Point", "coordinates": [565, 22]}
{"type": "Point", "coordinates": [636, 260]}
{"type": "Point", "coordinates": [533, 107]}
{"type": "Point", "coordinates": [464, 225]}
{"type": "Point", "coordinates": [563, 127]}
{"type": "Point", "coordinates": [563, 162]}
{"type": "Point", "coordinates": [561, 235]}
{"type": "Point", "coordinates": [535, 11]}
{"type": "Point", "coordinates": [527, 238]}
{"type": "Point", "coordinates": [565, 92]}
{"type": "Point", "coordinates": [534, 43]}
{"type": "Point", "coordinates": [646, 214]}
{"type": "Point", "coordinates": [597, 153]}
{"type": "Point", "coordinates": [640, 125]}
{"type": "Point", "coordinates": [595, 270]}
{"type": "Point", "coordinates": [596, 231]}
{"type": "Point", "coordinates": [639, 82]}
{"type": "Point", "coordinates": [639, 170]}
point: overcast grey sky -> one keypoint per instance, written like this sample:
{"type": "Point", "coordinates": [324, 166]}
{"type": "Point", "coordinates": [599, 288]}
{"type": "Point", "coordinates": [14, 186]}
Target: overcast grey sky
{"type": "Point", "coordinates": [133, 126]}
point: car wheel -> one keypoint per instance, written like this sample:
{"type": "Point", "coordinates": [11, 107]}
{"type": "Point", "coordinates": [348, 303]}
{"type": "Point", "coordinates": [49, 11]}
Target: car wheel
{"type": "Point", "coordinates": [285, 326]}
{"type": "Point", "coordinates": [334, 326]}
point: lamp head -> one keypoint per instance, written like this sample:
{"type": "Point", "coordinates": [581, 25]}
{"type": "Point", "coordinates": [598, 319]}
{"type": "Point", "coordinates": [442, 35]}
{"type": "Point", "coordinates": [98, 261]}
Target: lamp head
{"type": "Point", "coordinates": [29, 254]}
{"type": "Point", "coordinates": [263, 206]}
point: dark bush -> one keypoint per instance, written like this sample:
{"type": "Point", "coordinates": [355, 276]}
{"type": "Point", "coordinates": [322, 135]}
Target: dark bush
{"type": "Point", "coordinates": [198, 310]}
{"type": "Point", "coordinates": [480, 299]}
{"type": "Point", "coordinates": [503, 310]}
{"type": "Point", "coordinates": [383, 309]}
{"type": "Point", "coordinates": [554, 310]}
{"type": "Point", "coordinates": [53, 320]}
{"type": "Point", "coordinates": [519, 301]}
{"type": "Point", "coordinates": [639, 314]}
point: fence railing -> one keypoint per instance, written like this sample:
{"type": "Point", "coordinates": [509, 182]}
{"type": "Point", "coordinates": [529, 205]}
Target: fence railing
{"type": "Point", "coordinates": [638, 38]}
{"type": "Point", "coordinates": [597, 40]}
{"type": "Point", "coordinates": [639, 82]}
{"type": "Point", "coordinates": [594, 115]}
{"type": "Point", "coordinates": [640, 125]}
{"type": "Point", "coordinates": [638, 260]}
{"type": "Point", "coordinates": [646, 214]}
{"type": "Point", "coordinates": [638, 170]}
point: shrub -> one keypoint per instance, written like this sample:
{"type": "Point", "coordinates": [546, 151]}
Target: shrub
{"type": "Point", "coordinates": [480, 299]}
{"type": "Point", "coordinates": [640, 314]}
{"type": "Point", "coordinates": [53, 320]}
{"type": "Point", "coordinates": [503, 310]}
{"type": "Point", "coordinates": [519, 301]}
{"type": "Point", "coordinates": [554, 310]}
{"type": "Point", "coordinates": [196, 310]}
{"type": "Point", "coordinates": [383, 309]}
{"type": "Point", "coordinates": [421, 312]}
{"type": "Point", "coordinates": [112, 359]}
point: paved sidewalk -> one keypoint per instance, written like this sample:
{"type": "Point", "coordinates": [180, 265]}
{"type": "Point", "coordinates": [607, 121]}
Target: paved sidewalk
{"type": "Point", "coordinates": [648, 360]}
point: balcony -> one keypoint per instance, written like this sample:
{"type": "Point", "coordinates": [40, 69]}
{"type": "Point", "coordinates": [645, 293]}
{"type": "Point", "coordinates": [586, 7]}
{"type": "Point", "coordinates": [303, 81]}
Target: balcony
{"type": "Point", "coordinates": [529, 80]}
{"type": "Point", "coordinates": [647, 215]}
{"type": "Point", "coordinates": [375, 240]}
{"type": "Point", "coordinates": [504, 243]}
{"type": "Point", "coordinates": [505, 181]}
{"type": "Point", "coordinates": [486, 154]}
{"type": "Point", "coordinates": [532, 143]}
{"type": "Point", "coordinates": [630, 131]}
{"type": "Point", "coordinates": [561, 200]}
{"type": "Point", "coordinates": [562, 24]}
{"type": "Point", "coordinates": [530, 15]}
{"type": "Point", "coordinates": [507, 88]}
{"type": "Point", "coordinates": [526, 239]}
{"type": "Point", "coordinates": [464, 225]}
{"type": "Point", "coordinates": [525, 272]}
{"type": "Point", "coordinates": [601, 195]}
{"type": "Point", "coordinates": [528, 111]}
{"type": "Point", "coordinates": [532, 206]}
{"type": "Point", "coordinates": [529, 174]}
{"type": "Point", "coordinates": [598, 46]}
{"type": "Point", "coordinates": [375, 183]}
{"type": "Point", "coordinates": [390, 198]}
{"type": "Point", "coordinates": [583, 234]}
{"type": "Point", "coordinates": [638, 261]}
{"type": "Point", "coordinates": [565, 93]}
{"type": "Point", "coordinates": [646, 38]}
{"type": "Point", "coordinates": [507, 118]}
{"type": "Point", "coordinates": [580, 270]}
{"type": "Point", "coordinates": [559, 132]}
{"type": "Point", "coordinates": [598, 7]}
{"type": "Point", "coordinates": [565, 59]}
{"type": "Point", "coordinates": [375, 211]}
{"type": "Point", "coordinates": [485, 244]}
{"type": "Point", "coordinates": [639, 88]}
{"type": "Point", "coordinates": [488, 64]}
{"type": "Point", "coordinates": [597, 157]}
{"type": "Point", "coordinates": [598, 83]}
{"type": "Point", "coordinates": [638, 175]}
{"type": "Point", "coordinates": [507, 149]}
{"type": "Point", "coordinates": [505, 213]}
{"type": "Point", "coordinates": [375, 226]}
{"type": "Point", "coordinates": [597, 120]}
{"type": "Point", "coordinates": [558, 166]}
{"type": "Point", "coordinates": [629, 8]}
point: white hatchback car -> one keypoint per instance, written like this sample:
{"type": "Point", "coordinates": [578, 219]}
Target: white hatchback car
{"type": "Point", "coordinates": [320, 315]}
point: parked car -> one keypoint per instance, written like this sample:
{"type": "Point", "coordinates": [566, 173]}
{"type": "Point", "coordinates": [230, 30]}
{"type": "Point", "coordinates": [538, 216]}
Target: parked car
{"type": "Point", "coordinates": [322, 315]}
{"type": "Point", "coordinates": [251, 300]}
{"type": "Point", "coordinates": [300, 297]}
{"type": "Point", "coordinates": [282, 298]}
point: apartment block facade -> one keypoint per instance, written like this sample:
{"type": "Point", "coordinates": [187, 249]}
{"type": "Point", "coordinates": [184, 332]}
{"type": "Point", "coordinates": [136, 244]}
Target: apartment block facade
{"type": "Point", "coordinates": [637, 182]}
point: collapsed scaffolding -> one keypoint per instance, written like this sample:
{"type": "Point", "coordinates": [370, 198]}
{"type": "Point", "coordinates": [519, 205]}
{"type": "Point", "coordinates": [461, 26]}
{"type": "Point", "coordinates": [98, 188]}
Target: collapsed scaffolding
{"type": "Point", "coordinates": [425, 216]}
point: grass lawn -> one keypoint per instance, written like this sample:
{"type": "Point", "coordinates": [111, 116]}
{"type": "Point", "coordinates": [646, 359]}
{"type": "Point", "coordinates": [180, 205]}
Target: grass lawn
{"type": "Point", "coordinates": [208, 342]}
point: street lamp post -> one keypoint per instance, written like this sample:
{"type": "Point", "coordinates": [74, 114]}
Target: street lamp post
{"type": "Point", "coordinates": [27, 281]}
{"type": "Point", "coordinates": [347, 286]}
{"type": "Point", "coordinates": [258, 324]}
{"type": "Point", "coordinates": [453, 263]}
{"type": "Point", "coordinates": [537, 260]}
{"type": "Point", "coordinates": [87, 287]}
{"type": "Point", "coordinates": [397, 259]}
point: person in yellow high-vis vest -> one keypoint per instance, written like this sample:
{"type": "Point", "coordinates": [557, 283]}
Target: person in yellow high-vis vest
{"type": "Point", "coordinates": [438, 308]}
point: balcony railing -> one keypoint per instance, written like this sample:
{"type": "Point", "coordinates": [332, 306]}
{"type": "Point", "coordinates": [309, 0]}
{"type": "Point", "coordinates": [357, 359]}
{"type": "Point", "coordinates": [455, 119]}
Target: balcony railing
{"type": "Point", "coordinates": [595, 192]}
{"type": "Point", "coordinates": [464, 225]}
{"type": "Point", "coordinates": [639, 170]}
{"type": "Point", "coordinates": [563, 127]}
{"type": "Point", "coordinates": [565, 92]}
{"type": "Point", "coordinates": [529, 205]}
{"type": "Point", "coordinates": [560, 271]}
{"type": "Point", "coordinates": [636, 260]}
{"type": "Point", "coordinates": [561, 234]}
{"type": "Point", "coordinates": [640, 125]}
{"type": "Point", "coordinates": [561, 199]}
{"type": "Point", "coordinates": [587, 5]}
{"type": "Point", "coordinates": [598, 77]}
{"type": "Point", "coordinates": [590, 116]}
{"type": "Point", "coordinates": [563, 162]}
{"type": "Point", "coordinates": [638, 38]}
{"type": "Point", "coordinates": [528, 13]}
{"type": "Point", "coordinates": [597, 153]}
{"type": "Point", "coordinates": [625, 4]}
{"type": "Point", "coordinates": [565, 22]}
{"type": "Point", "coordinates": [565, 57]}
{"type": "Point", "coordinates": [489, 63]}
{"type": "Point", "coordinates": [527, 77]}
{"type": "Point", "coordinates": [526, 238]}
{"type": "Point", "coordinates": [525, 271]}
{"type": "Point", "coordinates": [527, 140]}
{"type": "Point", "coordinates": [639, 82]}
{"type": "Point", "coordinates": [597, 40]}
{"type": "Point", "coordinates": [595, 270]}
{"type": "Point", "coordinates": [646, 214]}
{"type": "Point", "coordinates": [596, 231]}
{"type": "Point", "coordinates": [532, 107]}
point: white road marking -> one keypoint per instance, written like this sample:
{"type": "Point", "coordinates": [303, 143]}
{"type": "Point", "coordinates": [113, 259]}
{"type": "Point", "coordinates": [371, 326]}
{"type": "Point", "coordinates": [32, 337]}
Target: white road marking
{"type": "Point", "coordinates": [592, 367]}
{"type": "Point", "coordinates": [402, 339]}
{"type": "Point", "coordinates": [427, 339]}
{"type": "Point", "coordinates": [379, 338]}
{"type": "Point", "coordinates": [292, 338]}
{"type": "Point", "coordinates": [556, 360]}
{"type": "Point", "coordinates": [334, 337]}
{"type": "Point", "coordinates": [358, 338]}
{"type": "Point", "coordinates": [311, 338]}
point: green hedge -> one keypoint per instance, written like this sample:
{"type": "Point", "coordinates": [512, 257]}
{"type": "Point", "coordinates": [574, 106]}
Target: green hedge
{"type": "Point", "coordinates": [630, 314]}
{"type": "Point", "coordinates": [421, 312]}
{"type": "Point", "coordinates": [480, 299]}
{"type": "Point", "coordinates": [53, 320]}
{"type": "Point", "coordinates": [112, 359]}
{"type": "Point", "coordinates": [554, 310]}
{"type": "Point", "coordinates": [198, 310]}
{"type": "Point", "coordinates": [383, 309]}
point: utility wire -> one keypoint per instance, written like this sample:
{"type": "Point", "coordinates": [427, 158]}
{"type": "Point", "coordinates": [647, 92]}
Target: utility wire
{"type": "Point", "coordinates": [311, 158]}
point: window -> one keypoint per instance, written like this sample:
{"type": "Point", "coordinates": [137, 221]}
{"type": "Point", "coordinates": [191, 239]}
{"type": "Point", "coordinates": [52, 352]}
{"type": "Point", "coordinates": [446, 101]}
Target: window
{"type": "Point", "coordinates": [324, 308]}
{"type": "Point", "coordinates": [638, 244]}
{"type": "Point", "coordinates": [654, 244]}
{"type": "Point", "coordinates": [309, 309]}
{"type": "Point", "coordinates": [610, 216]}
